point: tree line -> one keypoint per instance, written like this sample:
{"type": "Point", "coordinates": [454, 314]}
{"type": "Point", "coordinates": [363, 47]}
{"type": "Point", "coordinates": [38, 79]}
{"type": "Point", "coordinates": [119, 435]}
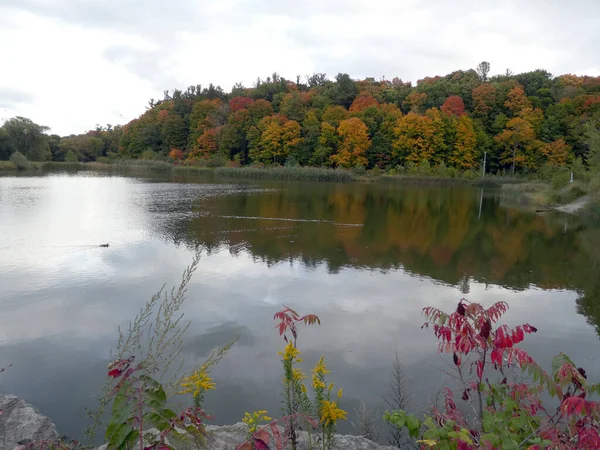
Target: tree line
{"type": "Point", "coordinates": [521, 121]}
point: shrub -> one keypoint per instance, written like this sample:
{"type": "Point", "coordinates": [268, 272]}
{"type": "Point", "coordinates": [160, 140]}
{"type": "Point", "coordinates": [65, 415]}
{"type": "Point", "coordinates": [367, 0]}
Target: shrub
{"type": "Point", "coordinates": [103, 160]}
{"type": "Point", "coordinates": [359, 170]}
{"type": "Point", "coordinates": [71, 157]}
{"type": "Point", "coordinates": [148, 155]}
{"type": "Point", "coordinates": [291, 162]}
{"type": "Point", "coordinates": [508, 412]}
{"type": "Point", "coordinates": [560, 179]}
{"type": "Point", "coordinates": [216, 161]}
{"type": "Point", "coordinates": [20, 161]}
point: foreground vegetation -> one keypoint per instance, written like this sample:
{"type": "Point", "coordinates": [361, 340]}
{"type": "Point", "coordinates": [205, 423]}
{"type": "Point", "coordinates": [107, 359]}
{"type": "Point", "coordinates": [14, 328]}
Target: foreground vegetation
{"type": "Point", "coordinates": [499, 400]}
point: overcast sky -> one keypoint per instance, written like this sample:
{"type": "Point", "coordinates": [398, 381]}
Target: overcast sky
{"type": "Point", "coordinates": [71, 64]}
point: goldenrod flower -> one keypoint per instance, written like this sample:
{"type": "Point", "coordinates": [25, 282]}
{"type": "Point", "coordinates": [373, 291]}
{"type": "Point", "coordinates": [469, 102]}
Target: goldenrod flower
{"type": "Point", "coordinates": [298, 374]}
{"type": "Point", "coordinates": [252, 420]}
{"type": "Point", "coordinates": [331, 413]}
{"type": "Point", "coordinates": [197, 383]}
{"type": "Point", "coordinates": [427, 442]}
{"type": "Point", "coordinates": [303, 388]}
{"type": "Point", "coordinates": [339, 395]}
{"type": "Point", "coordinates": [291, 353]}
{"type": "Point", "coordinates": [320, 368]}
{"type": "Point", "coordinates": [317, 383]}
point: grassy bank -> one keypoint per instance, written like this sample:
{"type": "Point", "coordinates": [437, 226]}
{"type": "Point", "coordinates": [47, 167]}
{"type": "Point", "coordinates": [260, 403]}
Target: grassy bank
{"type": "Point", "coordinates": [583, 194]}
{"type": "Point", "coordinates": [417, 175]}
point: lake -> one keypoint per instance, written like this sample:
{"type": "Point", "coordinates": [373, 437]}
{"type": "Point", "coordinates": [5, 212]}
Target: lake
{"type": "Point", "coordinates": [365, 257]}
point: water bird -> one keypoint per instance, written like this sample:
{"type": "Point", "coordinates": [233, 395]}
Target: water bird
{"type": "Point", "coordinates": [103, 245]}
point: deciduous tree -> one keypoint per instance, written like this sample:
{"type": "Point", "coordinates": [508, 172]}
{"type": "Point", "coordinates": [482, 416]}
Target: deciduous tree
{"type": "Point", "coordinates": [353, 143]}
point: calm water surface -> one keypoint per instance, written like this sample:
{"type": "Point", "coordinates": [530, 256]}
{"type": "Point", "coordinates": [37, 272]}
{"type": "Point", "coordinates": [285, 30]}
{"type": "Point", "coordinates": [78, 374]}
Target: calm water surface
{"type": "Point", "coordinates": [365, 258]}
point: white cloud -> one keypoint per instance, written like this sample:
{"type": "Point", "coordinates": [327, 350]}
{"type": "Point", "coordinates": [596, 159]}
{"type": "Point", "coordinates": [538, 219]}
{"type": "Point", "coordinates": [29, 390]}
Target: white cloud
{"type": "Point", "coordinates": [77, 63]}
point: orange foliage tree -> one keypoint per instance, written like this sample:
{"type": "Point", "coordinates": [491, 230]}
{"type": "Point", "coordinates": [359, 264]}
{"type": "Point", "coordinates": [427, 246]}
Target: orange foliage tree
{"type": "Point", "coordinates": [176, 154]}
{"type": "Point", "coordinates": [362, 102]}
{"type": "Point", "coordinates": [353, 143]}
{"type": "Point", "coordinates": [454, 105]}
{"type": "Point", "coordinates": [556, 153]}
{"type": "Point", "coordinates": [484, 99]}
{"type": "Point", "coordinates": [518, 144]}
{"type": "Point", "coordinates": [516, 101]}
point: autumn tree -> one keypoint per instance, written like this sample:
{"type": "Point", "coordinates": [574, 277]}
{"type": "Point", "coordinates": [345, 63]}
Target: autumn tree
{"type": "Point", "coordinates": [556, 153]}
{"type": "Point", "coordinates": [237, 103]}
{"type": "Point", "coordinates": [454, 105]}
{"type": "Point", "coordinates": [484, 100]}
{"type": "Point", "coordinates": [415, 139]}
{"type": "Point", "coordinates": [362, 102]}
{"type": "Point", "coordinates": [464, 154]}
{"type": "Point", "coordinates": [518, 144]}
{"type": "Point", "coordinates": [516, 101]}
{"type": "Point", "coordinates": [207, 144]}
{"type": "Point", "coordinates": [415, 102]}
{"type": "Point", "coordinates": [353, 143]}
{"type": "Point", "coordinates": [334, 115]}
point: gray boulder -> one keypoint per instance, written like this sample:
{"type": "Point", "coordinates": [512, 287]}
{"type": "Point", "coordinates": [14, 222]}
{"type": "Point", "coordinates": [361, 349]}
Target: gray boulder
{"type": "Point", "coordinates": [22, 423]}
{"type": "Point", "coordinates": [228, 437]}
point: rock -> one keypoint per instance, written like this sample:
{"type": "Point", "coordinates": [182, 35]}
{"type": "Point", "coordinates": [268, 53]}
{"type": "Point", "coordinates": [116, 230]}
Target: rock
{"type": "Point", "coordinates": [228, 437]}
{"type": "Point", "coordinates": [22, 423]}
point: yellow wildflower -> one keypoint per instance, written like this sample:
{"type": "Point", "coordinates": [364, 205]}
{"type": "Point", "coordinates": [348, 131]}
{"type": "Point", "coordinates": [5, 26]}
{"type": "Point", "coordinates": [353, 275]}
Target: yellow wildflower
{"type": "Point", "coordinates": [331, 413]}
{"type": "Point", "coordinates": [298, 374]}
{"type": "Point", "coordinates": [330, 388]}
{"type": "Point", "coordinates": [197, 383]}
{"type": "Point", "coordinates": [303, 388]}
{"type": "Point", "coordinates": [317, 384]}
{"type": "Point", "coordinates": [339, 394]}
{"type": "Point", "coordinates": [253, 420]}
{"type": "Point", "coordinates": [291, 353]}
{"type": "Point", "coordinates": [320, 368]}
{"type": "Point", "coordinates": [427, 442]}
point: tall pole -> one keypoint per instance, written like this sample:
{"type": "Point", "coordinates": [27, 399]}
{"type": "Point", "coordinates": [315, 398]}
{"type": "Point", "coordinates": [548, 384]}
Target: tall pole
{"type": "Point", "coordinates": [514, 158]}
{"type": "Point", "coordinates": [484, 161]}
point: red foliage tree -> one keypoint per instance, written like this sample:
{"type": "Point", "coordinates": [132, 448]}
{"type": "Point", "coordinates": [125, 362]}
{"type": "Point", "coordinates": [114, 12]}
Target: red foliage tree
{"type": "Point", "coordinates": [237, 103]}
{"type": "Point", "coordinates": [454, 105]}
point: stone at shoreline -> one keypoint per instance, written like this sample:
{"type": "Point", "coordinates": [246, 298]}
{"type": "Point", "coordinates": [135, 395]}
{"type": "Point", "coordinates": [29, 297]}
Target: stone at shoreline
{"type": "Point", "coordinates": [228, 437]}
{"type": "Point", "coordinates": [22, 423]}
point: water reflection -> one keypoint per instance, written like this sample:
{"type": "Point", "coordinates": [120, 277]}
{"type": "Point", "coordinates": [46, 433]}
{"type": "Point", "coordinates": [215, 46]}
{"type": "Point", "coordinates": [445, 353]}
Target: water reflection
{"type": "Point", "coordinates": [366, 258]}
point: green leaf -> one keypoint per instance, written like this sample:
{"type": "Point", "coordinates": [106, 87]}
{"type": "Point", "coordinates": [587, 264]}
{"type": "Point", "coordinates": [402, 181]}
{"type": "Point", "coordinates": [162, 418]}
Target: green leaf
{"type": "Point", "coordinates": [120, 435]}
{"type": "Point", "coordinates": [414, 426]}
{"type": "Point", "coordinates": [488, 422]}
{"type": "Point", "coordinates": [157, 396]}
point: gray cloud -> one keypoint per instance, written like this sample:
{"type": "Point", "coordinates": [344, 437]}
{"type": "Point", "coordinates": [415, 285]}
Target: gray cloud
{"type": "Point", "coordinates": [148, 46]}
{"type": "Point", "coordinates": [10, 97]}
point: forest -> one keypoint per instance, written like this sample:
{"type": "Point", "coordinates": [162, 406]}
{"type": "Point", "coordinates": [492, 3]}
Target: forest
{"type": "Point", "coordinates": [521, 122]}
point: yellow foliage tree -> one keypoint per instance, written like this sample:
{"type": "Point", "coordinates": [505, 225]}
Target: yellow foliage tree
{"type": "Point", "coordinates": [415, 138]}
{"type": "Point", "coordinates": [353, 143]}
{"type": "Point", "coordinates": [464, 154]}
